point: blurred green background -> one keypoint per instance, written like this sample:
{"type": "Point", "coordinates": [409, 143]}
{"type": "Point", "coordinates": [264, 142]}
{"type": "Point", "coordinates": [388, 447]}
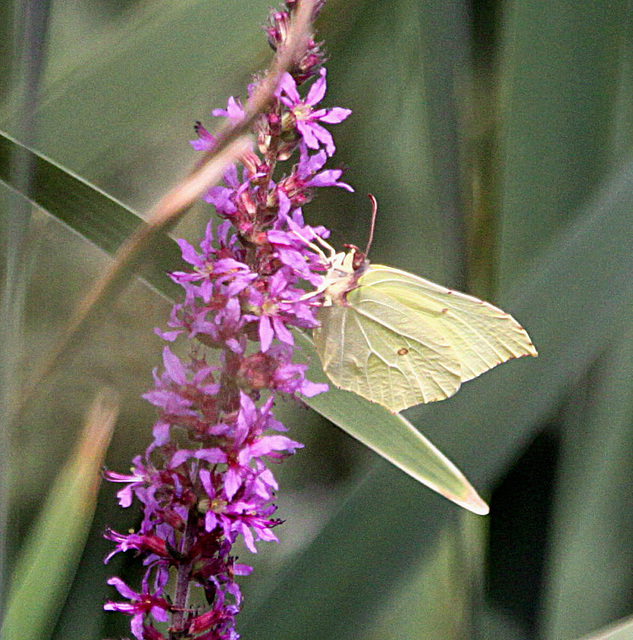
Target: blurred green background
{"type": "Point", "coordinates": [497, 137]}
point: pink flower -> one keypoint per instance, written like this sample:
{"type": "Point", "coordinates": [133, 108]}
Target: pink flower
{"type": "Point", "coordinates": [306, 118]}
{"type": "Point", "coordinates": [141, 604]}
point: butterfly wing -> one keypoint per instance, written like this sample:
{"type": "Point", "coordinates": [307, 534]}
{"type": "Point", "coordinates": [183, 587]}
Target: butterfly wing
{"type": "Point", "coordinates": [481, 335]}
{"type": "Point", "coordinates": [378, 348]}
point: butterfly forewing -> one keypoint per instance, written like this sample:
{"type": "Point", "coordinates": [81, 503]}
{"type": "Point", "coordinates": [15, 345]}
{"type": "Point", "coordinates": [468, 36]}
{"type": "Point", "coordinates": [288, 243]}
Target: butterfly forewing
{"type": "Point", "coordinates": [481, 335]}
{"type": "Point", "coordinates": [375, 348]}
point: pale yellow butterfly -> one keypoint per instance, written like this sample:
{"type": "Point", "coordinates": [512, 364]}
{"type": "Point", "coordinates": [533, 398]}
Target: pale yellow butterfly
{"type": "Point", "coordinates": [400, 340]}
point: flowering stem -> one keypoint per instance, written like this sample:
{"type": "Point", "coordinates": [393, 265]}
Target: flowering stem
{"type": "Point", "coordinates": [294, 47]}
{"type": "Point", "coordinates": [203, 481]}
{"type": "Point", "coordinates": [183, 576]}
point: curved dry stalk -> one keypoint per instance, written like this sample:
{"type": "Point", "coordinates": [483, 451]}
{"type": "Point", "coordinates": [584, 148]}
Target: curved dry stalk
{"type": "Point", "coordinates": [231, 144]}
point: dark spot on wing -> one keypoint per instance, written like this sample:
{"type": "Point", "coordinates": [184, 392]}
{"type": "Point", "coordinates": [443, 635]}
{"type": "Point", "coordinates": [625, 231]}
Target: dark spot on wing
{"type": "Point", "coordinates": [403, 351]}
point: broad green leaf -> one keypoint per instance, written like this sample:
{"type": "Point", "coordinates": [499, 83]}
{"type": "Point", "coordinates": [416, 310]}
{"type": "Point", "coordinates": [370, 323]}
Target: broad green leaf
{"type": "Point", "coordinates": [88, 211]}
{"type": "Point", "coordinates": [391, 436]}
{"type": "Point", "coordinates": [556, 108]}
{"type": "Point", "coordinates": [24, 51]}
{"type": "Point", "coordinates": [435, 599]}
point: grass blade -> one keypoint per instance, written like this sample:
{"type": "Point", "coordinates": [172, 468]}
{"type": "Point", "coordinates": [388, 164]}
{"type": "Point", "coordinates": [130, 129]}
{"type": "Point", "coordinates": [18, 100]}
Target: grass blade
{"type": "Point", "coordinates": [46, 568]}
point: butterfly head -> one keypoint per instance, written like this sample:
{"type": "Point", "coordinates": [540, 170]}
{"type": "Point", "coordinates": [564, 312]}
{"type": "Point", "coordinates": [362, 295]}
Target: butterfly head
{"type": "Point", "coordinates": [344, 270]}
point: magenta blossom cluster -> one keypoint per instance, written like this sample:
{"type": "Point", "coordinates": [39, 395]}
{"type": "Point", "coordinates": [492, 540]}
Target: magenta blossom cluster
{"type": "Point", "coordinates": [204, 482]}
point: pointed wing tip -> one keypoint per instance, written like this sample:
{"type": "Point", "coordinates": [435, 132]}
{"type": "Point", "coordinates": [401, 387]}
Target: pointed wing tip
{"type": "Point", "coordinates": [529, 350]}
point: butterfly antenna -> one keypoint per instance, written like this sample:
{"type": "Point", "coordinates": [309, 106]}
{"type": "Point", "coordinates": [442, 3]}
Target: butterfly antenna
{"type": "Point", "coordinates": [374, 211]}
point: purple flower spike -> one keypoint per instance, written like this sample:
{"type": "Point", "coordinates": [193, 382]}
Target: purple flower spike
{"type": "Point", "coordinates": [204, 481]}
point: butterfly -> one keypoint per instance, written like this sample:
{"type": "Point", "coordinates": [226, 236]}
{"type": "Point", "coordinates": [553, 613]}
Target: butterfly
{"type": "Point", "coordinates": [400, 340]}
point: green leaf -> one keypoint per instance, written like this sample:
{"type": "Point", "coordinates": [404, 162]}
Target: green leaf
{"type": "Point", "coordinates": [558, 77]}
{"type": "Point", "coordinates": [435, 597]}
{"type": "Point", "coordinates": [45, 570]}
{"type": "Point", "coordinates": [107, 223]}
{"type": "Point", "coordinates": [95, 215]}
{"type": "Point", "coordinates": [392, 436]}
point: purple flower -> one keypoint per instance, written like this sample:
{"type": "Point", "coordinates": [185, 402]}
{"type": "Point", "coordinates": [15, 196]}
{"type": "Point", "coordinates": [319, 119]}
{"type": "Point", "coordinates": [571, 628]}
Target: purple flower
{"type": "Point", "coordinates": [293, 252]}
{"type": "Point", "coordinates": [143, 543]}
{"type": "Point", "coordinates": [213, 270]}
{"type": "Point", "coordinates": [308, 172]}
{"type": "Point", "coordinates": [224, 198]}
{"type": "Point", "coordinates": [141, 605]}
{"type": "Point", "coordinates": [234, 111]}
{"type": "Point", "coordinates": [273, 310]}
{"type": "Point", "coordinates": [134, 481]}
{"type": "Point", "coordinates": [220, 617]}
{"type": "Point", "coordinates": [205, 141]}
{"type": "Point", "coordinates": [306, 119]}
{"type": "Point", "coordinates": [290, 377]}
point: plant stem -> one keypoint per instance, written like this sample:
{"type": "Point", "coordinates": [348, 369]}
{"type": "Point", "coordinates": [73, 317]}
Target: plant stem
{"type": "Point", "coordinates": [183, 580]}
